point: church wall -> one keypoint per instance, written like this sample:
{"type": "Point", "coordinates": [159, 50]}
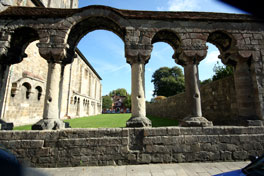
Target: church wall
{"type": "Point", "coordinates": [26, 89]}
{"type": "Point", "coordinates": [80, 95]}
{"type": "Point", "coordinates": [85, 91]}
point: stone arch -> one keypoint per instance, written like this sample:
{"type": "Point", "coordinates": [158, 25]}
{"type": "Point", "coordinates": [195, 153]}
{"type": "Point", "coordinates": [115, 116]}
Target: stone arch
{"type": "Point", "coordinates": [109, 21]}
{"type": "Point", "coordinates": [224, 42]}
{"type": "Point", "coordinates": [20, 39]}
{"type": "Point", "coordinates": [169, 37]}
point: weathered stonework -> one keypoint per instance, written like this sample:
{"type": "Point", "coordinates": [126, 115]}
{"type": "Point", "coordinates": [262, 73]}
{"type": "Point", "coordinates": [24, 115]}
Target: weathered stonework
{"type": "Point", "coordinates": [239, 39]}
{"type": "Point", "coordinates": [218, 100]}
{"type": "Point", "coordinates": [120, 146]}
{"type": "Point", "coordinates": [23, 87]}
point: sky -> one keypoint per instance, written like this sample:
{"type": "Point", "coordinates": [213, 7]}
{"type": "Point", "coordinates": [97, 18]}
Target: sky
{"type": "Point", "coordinates": [105, 50]}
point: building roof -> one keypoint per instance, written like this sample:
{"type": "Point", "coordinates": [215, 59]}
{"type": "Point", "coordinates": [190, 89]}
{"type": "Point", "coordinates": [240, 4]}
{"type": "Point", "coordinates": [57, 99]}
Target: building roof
{"type": "Point", "coordinates": [88, 63]}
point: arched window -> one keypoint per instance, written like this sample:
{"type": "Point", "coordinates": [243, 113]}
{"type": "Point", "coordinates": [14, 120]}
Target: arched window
{"type": "Point", "coordinates": [28, 89]}
{"type": "Point", "coordinates": [39, 91]}
{"type": "Point", "coordinates": [75, 100]}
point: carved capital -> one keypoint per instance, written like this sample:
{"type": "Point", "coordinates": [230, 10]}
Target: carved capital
{"type": "Point", "coordinates": [9, 55]}
{"type": "Point", "coordinates": [190, 52]}
{"type": "Point", "coordinates": [137, 55]}
{"type": "Point", "coordinates": [233, 57]}
{"type": "Point", "coordinates": [53, 52]}
{"type": "Point", "coordinates": [185, 57]}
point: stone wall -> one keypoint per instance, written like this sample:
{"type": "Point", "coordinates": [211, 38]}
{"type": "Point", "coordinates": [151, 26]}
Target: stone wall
{"type": "Point", "coordinates": [26, 84]}
{"type": "Point", "coordinates": [218, 104]}
{"type": "Point", "coordinates": [86, 89]}
{"type": "Point", "coordinates": [119, 146]}
{"type": "Point", "coordinates": [26, 89]}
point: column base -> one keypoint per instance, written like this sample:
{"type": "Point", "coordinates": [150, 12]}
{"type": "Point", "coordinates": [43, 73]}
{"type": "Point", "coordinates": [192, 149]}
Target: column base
{"type": "Point", "coordinates": [255, 123]}
{"type": "Point", "coordinates": [196, 122]}
{"type": "Point", "coordinates": [50, 124]}
{"type": "Point", "coordinates": [138, 122]}
{"type": "Point", "coordinates": [5, 125]}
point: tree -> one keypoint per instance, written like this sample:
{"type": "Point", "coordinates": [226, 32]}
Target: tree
{"type": "Point", "coordinates": [222, 71]}
{"type": "Point", "coordinates": [107, 102]}
{"type": "Point", "coordinates": [119, 92]}
{"type": "Point", "coordinates": [127, 101]}
{"type": "Point", "coordinates": [168, 81]}
{"type": "Point", "coordinates": [206, 81]}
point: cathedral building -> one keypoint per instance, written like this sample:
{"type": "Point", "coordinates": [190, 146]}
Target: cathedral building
{"type": "Point", "coordinates": [80, 88]}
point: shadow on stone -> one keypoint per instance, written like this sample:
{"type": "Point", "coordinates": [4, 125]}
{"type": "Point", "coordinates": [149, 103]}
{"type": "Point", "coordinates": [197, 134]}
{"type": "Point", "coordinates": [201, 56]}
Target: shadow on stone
{"type": "Point", "coordinates": [5, 125]}
{"type": "Point", "coordinates": [196, 122]}
{"type": "Point", "coordinates": [50, 124]}
{"type": "Point", "coordinates": [138, 122]}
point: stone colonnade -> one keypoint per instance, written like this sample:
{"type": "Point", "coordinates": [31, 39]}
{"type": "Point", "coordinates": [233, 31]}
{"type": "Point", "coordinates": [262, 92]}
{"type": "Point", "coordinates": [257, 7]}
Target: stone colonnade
{"type": "Point", "coordinates": [238, 37]}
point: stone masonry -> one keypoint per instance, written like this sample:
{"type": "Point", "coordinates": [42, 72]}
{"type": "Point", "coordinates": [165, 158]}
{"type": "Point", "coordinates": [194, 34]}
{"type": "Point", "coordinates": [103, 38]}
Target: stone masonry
{"type": "Point", "coordinates": [239, 39]}
{"type": "Point", "coordinates": [218, 100]}
{"type": "Point", "coordinates": [25, 89]}
{"type": "Point", "coordinates": [120, 146]}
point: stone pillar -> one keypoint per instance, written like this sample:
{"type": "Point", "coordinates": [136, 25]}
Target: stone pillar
{"type": "Point", "coordinates": [55, 54]}
{"type": "Point", "coordinates": [4, 70]}
{"type": "Point", "coordinates": [244, 90]}
{"type": "Point", "coordinates": [51, 111]}
{"type": "Point", "coordinates": [245, 96]}
{"type": "Point", "coordinates": [192, 90]}
{"type": "Point", "coordinates": [189, 56]}
{"type": "Point", "coordinates": [138, 102]}
{"type": "Point", "coordinates": [138, 48]}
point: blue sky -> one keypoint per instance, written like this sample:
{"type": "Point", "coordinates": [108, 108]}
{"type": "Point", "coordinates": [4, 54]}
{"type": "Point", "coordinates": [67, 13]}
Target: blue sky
{"type": "Point", "coordinates": [105, 50]}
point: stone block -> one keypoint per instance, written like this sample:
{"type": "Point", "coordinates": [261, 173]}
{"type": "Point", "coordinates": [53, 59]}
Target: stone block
{"type": "Point", "coordinates": [173, 131]}
{"type": "Point", "coordinates": [144, 158]}
{"type": "Point", "coordinates": [6, 126]}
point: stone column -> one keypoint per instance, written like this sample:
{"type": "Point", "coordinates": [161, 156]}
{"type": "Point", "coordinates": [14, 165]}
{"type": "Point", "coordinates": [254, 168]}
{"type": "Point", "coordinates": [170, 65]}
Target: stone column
{"type": "Point", "coordinates": [55, 54]}
{"type": "Point", "coordinates": [192, 91]}
{"type": "Point", "coordinates": [244, 90]}
{"type": "Point", "coordinates": [189, 57]}
{"type": "Point", "coordinates": [51, 112]}
{"type": "Point", "coordinates": [245, 96]}
{"type": "Point", "coordinates": [138, 102]}
{"type": "Point", "coordinates": [4, 70]}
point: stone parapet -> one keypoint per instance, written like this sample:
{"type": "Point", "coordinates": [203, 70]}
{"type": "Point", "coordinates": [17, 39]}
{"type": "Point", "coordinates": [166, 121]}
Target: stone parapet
{"type": "Point", "coordinates": [119, 146]}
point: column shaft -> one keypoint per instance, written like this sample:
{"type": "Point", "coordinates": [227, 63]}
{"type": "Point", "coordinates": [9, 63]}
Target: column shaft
{"type": "Point", "coordinates": [51, 106]}
{"type": "Point", "coordinates": [192, 89]}
{"type": "Point", "coordinates": [51, 119]}
{"type": "Point", "coordinates": [138, 103]}
{"type": "Point", "coordinates": [4, 71]}
{"type": "Point", "coordinates": [244, 91]}
{"type": "Point", "coordinates": [138, 93]}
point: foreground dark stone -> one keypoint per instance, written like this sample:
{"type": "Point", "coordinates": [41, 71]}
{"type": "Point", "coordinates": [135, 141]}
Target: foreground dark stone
{"type": "Point", "coordinates": [138, 122]}
{"type": "Point", "coordinates": [5, 125]}
{"type": "Point", "coordinates": [50, 124]}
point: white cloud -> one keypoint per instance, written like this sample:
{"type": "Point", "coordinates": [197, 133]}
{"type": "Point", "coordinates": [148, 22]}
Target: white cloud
{"type": "Point", "coordinates": [180, 5]}
{"type": "Point", "coordinates": [212, 57]}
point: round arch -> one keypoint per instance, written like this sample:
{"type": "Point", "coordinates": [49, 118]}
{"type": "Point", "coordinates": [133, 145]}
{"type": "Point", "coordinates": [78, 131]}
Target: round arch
{"type": "Point", "coordinates": [167, 36]}
{"type": "Point", "coordinates": [224, 42]}
{"type": "Point", "coordinates": [20, 39]}
{"type": "Point", "coordinates": [108, 20]}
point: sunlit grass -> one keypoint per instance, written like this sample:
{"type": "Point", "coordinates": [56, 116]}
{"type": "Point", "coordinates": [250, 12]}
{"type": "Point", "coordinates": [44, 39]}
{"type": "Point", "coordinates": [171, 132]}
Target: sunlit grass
{"type": "Point", "coordinates": [108, 121]}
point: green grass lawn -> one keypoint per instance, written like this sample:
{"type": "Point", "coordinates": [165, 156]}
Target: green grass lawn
{"type": "Point", "coordinates": [108, 121]}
